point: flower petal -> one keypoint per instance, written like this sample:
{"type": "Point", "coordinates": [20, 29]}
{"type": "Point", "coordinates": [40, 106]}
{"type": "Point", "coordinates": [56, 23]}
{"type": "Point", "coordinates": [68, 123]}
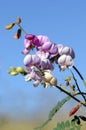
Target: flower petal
{"type": "Point", "coordinates": [28, 60]}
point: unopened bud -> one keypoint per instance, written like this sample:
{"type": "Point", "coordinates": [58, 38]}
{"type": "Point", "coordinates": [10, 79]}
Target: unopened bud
{"type": "Point", "coordinates": [53, 81]}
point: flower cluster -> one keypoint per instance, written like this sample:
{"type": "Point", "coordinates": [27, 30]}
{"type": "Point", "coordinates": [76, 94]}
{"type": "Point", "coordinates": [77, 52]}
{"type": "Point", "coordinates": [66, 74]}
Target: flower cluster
{"type": "Point", "coordinates": [39, 65]}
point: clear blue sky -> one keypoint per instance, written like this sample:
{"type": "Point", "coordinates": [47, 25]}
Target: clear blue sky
{"type": "Point", "coordinates": [63, 21]}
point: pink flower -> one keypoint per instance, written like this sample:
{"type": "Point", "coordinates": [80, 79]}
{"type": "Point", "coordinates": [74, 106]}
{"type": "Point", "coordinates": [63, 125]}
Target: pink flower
{"type": "Point", "coordinates": [54, 49]}
{"type": "Point", "coordinates": [32, 60]}
{"type": "Point", "coordinates": [42, 39]}
{"type": "Point", "coordinates": [34, 75]}
{"type": "Point", "coordinates": [30, 41]}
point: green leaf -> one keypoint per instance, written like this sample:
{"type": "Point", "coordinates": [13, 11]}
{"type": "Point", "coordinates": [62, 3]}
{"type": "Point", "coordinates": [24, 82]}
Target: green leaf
{"type": "Point", "coordinates": [58, 106]}
{"type": "Point", "coordinates": [67, 124]}
{"type": "Point", "coordinates": [72, 128]}
{"type": "Point", "coordinates": [54, 111]}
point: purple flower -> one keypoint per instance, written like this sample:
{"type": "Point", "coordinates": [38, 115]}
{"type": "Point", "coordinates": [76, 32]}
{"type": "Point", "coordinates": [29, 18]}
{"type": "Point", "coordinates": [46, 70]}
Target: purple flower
{"type": "Point", "coordinates": [29, 36]}
{"type": "Point", "coordinates": [32, 60]}
{"type": "Point", "coordinates": [60, 47]}
{"type": "Point", "coordinates": [46, 65]}
{"type": "Point", "coordinates": [46, 46]}
{"type": "Point", "coordinates": [65, 61]}
{"type": "Point", "coordinates": [34, 75]}
{"type": "Point", "coordinates": [28, 60]}
{"type": "Point", "coordinates": [42, 39]}
{"type": "Point", "coordinates": [54, 49]}
{"type": "Point", "coordinates": [36, 60]}
{"type": "Point", "coordinates": [42, 54]}
{"type": "Point", "coordinates": [68, 51]}
{"type": "Point", "coordinates": [30, 41]}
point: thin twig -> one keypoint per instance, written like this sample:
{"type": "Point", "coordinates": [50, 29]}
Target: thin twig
{"type": "Point", "coordinates": [22, 28]}
{"type": "Point", "coordinates": [71, 95]}
{"type": "Point", "coordinates": [78, 86]}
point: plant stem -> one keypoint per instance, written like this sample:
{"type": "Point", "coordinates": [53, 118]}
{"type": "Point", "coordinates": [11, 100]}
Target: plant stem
{"type": "Point", "coordinates": [22, 29]}
{"type": "Point", "coordinates": [84, 82]}
{"type": "Point", "coordinates": [78, 86]}
{"type": "Point", "coordinates": [71, 95]}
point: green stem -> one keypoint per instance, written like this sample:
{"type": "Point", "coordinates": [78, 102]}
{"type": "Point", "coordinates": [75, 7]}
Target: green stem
{"type": "Point", "coordinates": [78, 72]}
{"type": "Point", "coordinates": [78, 86]}
{"type": "Point", "coordinates": [22, 29]}
{"type": "Point", "coordinates": [84, 82]}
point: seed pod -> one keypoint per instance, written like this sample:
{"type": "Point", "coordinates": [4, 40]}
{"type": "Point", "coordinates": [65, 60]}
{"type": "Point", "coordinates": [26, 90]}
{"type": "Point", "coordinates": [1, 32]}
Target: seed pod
{"type": "Point", "coordinates": [18, 34]}
{"type": "Point", "coordinates": [74, 110]}
{"type": "Point", "coordinates": [9, 26]}
{"type": "Point", "coordinates": [18, 21]}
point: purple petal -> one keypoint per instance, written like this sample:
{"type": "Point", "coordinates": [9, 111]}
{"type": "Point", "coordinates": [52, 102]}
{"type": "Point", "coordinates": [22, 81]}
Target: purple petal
{"type": "Point", "coordinates": [29, 36]}
{"type": "Point", "coordinates": [46, 65]}
{"type": "Point", "coordinates": [69, 61]}
{"type": "Point", "coordinates": [60, 47]}
{"type": "Point", "coordinates": [36, 60]}
{"type": "Point", "coordinates": [35, 41]}
{"type": "Point", "coordinates": [27, 43]}
{"type": "Point", "coordinates": [28, 60]}
{"type": "Point", "coordinates": [42, 55]}
{"type": "Point", "coordinates": [54, 49]}
{"type": "Point", "coordinates": [42, 39]}
{"type": "Point", "coordinates": [62, 59]}
{"type": "Point", "coordinates": [46, 46]}
{"type": "Point", "coordinates": [25, 51]}
{"type": "Point", "coordinates": [68, 51]}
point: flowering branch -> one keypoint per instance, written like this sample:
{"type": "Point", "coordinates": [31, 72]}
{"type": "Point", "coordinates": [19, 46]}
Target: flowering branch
{"type": "Point", "coordinates": [39, 65]}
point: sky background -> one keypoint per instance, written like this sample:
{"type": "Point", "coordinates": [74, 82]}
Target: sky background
{"type": "Point", "coordinates": [63, 21]}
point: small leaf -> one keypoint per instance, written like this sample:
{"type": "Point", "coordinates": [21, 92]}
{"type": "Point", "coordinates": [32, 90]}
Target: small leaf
{"type": "Point", "coordinates": [58, 106]}
{"type": "Point", "coordinates": [83, 118]}
{"type": "Point", "coordinates": [59, 126]}
{"type": "Point", "coordinates": [67, 124]}
{"type": "Point", "coordinates": [54, 110]}
{"type": "Point", "coordinates": [9, 26]}
{"type": "Point", "coordinates": [72, 128]}
{"type": "Point", "coordinates": [77, 120]}
{"type": "Point", "coordinates": [62, 125]}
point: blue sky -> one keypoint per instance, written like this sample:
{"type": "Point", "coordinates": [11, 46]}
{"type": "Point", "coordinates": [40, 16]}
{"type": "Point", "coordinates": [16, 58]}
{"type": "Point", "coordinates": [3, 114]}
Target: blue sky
{"type": "Point", "coordinates": [63, 21]}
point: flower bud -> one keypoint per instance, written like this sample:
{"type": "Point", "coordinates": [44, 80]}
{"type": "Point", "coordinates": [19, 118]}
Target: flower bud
{"type": "Point", "coordinates": [19, 69]}
{"type": "Point", "coordinates": [53, 81]}
{"type": "Point", "coordinates": [49, 79]}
